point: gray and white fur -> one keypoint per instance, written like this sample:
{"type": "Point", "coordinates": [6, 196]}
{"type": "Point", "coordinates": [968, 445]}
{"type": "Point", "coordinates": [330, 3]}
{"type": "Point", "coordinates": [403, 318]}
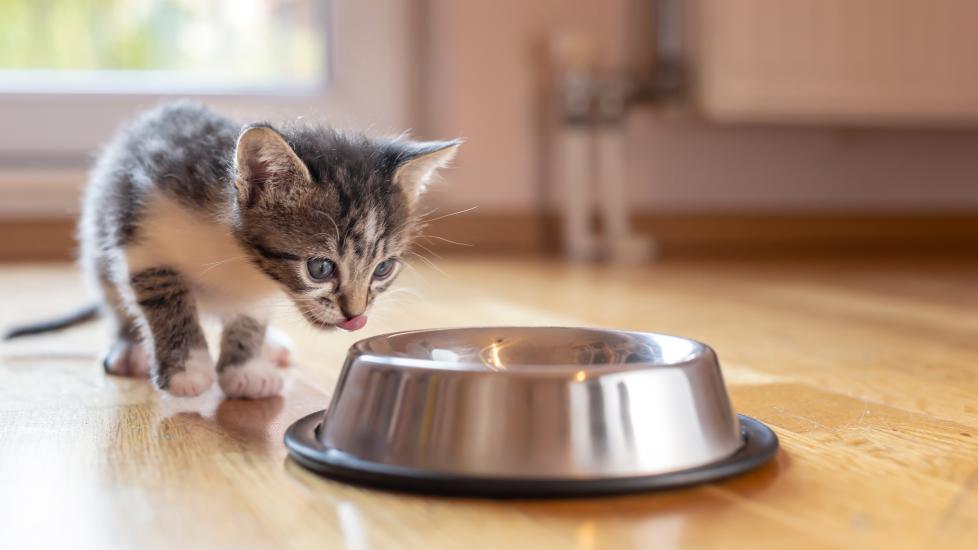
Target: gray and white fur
{"type": "Point", "coordinates": [188, 212]}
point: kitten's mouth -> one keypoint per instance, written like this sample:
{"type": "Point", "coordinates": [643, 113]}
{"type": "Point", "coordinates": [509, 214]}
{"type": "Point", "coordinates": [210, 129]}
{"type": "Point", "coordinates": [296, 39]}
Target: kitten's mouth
{"type": "Point", "coordinates": [353, 323]}
{"type": "Point", "coordinates": [349, 325]}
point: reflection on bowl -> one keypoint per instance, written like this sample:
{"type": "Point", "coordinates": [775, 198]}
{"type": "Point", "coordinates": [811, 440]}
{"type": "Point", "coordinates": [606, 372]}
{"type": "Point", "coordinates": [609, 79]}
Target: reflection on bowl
{"type": "Point", "coordinates": [515, 348]}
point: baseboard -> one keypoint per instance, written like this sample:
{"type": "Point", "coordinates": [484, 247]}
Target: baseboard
{"type": "Point", "coordinates": [41, 239]}
{"type": "Point", "coordinates": [813, 234]}
{"type": "Point", "coordinates": [677, 234]}
{"type": "Point", "coordinates": [747, 234]}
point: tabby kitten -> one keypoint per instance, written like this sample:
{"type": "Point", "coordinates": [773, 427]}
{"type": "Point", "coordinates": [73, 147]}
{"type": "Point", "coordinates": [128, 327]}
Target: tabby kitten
{"type": "Point", "coordinates": [189, 212]}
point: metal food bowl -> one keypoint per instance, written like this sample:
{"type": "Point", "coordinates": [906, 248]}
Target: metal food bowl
{"type": "Point", "coordinates": [529, 411]}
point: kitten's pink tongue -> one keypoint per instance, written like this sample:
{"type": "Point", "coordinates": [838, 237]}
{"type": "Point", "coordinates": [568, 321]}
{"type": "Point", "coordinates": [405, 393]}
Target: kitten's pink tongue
{"type": "Point", "coordinates": [356, 323]}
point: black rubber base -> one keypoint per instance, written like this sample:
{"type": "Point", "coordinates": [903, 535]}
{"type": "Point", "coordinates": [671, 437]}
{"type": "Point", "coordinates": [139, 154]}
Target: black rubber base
{"type": "Point", "coordinates": [760, 445]}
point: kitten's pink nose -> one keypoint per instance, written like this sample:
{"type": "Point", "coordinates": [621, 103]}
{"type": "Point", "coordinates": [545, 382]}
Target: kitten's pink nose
{"type": "Point", "coordinates": [353, 323]}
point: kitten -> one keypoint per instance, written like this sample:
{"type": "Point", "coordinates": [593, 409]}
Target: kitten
{"type": "Point", "coordinates": [187, 211]}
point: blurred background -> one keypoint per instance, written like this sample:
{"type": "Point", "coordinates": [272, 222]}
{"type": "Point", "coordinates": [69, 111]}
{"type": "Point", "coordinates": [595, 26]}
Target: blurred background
{"type": "Point", "coordinates": [794, 182]}
{"type": "Point", "coordinates": [622, 130]}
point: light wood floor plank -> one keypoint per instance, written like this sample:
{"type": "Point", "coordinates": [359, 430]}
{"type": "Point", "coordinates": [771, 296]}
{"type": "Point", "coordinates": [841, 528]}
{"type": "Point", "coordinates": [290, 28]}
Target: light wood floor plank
{"type": "Point", "coordinates": [867, 371]}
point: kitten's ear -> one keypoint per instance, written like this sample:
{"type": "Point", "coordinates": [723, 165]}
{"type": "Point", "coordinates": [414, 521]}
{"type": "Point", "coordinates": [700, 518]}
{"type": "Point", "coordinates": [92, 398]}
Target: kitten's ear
{"type": "Point", "coordinates": [418, 165]}
{"type": "Point", "coordinates": [265, 163]}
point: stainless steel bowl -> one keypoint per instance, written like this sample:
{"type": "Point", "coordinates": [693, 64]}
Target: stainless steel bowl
{"type": "Point", "coordinates": [530, 410]}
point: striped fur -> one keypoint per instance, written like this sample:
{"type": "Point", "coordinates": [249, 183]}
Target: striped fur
{"type": "Point", "coordinates": [188, 212]}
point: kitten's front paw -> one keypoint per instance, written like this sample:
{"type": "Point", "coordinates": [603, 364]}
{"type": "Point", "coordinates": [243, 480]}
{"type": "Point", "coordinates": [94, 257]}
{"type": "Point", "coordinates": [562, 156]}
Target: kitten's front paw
{"type": "Point", "coordinates": [127, 359]}
{"type": "Point", "coordinates": [277, 348]}
{"type": "Point", "coordinates": [197, 375]}
{"type": "Point", "coordinates": [255, 379]}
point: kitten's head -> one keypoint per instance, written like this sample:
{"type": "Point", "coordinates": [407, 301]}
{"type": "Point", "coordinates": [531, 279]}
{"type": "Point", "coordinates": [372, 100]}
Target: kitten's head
{"type": "Point", "coordinates": [329, 215]}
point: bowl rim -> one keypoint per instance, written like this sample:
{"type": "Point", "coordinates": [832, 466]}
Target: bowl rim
{"type": "Point", "coordinates": [359, 352]}
{"type": "Point", "coordinates": [759, 446]}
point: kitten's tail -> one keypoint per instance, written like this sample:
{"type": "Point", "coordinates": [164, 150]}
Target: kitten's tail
{"type": "Point", "coordinates": [83, 315]}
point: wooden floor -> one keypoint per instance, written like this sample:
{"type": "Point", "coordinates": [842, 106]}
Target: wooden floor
{"type": "Point", "coordinates": [867, 371]}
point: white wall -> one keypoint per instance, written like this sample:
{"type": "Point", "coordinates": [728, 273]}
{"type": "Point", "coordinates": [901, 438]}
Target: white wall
{"type": "Point", "coordinates": [484, 84]}
{"type": "Point", "coordinates": [482, 81]}
{"type": "Point", "coordinates": [690, 165]}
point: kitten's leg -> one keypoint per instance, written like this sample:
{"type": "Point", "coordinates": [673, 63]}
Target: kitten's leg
{"type": "Point", "coordinates": [182, 365]}
{"type": "Point", "coordinates": [244, 371]}
{"type": "Point", "coordinates": [125, 356]}
{"type": "Point", "coordinates": [277, 347]}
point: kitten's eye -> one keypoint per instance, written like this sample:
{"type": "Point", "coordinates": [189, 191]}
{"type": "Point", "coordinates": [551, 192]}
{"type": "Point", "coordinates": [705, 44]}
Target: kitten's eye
{"type": "Point", "coordinates": [384, 269]}
{"type": "Point", "coordinates": [320, 269]}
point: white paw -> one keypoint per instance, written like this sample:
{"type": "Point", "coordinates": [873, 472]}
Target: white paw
{"type": "Point", "coordinates": [197, 375]}
{"type": "Point", "coordinates": [277, 348]}
{"type": "Point", "coordinates": [127, 359]}
{"type": "Point", "coordinates": [255, 379]}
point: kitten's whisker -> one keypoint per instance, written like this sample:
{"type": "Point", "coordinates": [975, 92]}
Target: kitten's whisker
{"type": "Point", "coordinates": [449, 215]}
{"type": "Point", "coordinates": [331, 220]}
{"type": "Point", "coordinates": [428, 213]}
{"type": "Point", "coordinates": [429, 262]}
{"type": "Point", "coordinates": [211, 265]}
{"type": "Point", "coordinates": [428, 250]}
{"type": "Point", "coordinates": [407, 265]}
{"type": "Point", "coordinates": [404, 299]}
{"type": "Point", "coordinates": [403, 290]}
{"type": "Point", "coordinates": [424, 236]}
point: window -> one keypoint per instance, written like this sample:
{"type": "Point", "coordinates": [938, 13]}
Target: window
{"type": "Point", "coordinates": [72, 71]}
{"type": "Point", "coordinates": [163, 46]}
